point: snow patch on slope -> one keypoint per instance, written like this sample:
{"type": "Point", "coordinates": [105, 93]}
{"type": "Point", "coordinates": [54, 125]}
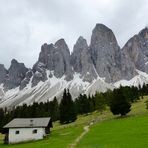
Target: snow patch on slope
{"type": "Point", "coordinates": [140, 79]}
{"type": "Point", "coordinates": [98, 85]}
{"type": "Point", "coordinates": [46, 91]}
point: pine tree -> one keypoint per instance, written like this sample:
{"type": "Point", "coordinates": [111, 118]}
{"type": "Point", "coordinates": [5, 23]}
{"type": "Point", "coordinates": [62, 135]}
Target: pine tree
{"type": "Point", "coordinates": [72, 111]}
{"type": "Point", "coordinates": [100, 102]}
{"type": "Point", "coordinates": [67, 108]}
{"type": "Point", "coordinates": [54, 109]}
{"type": "Point", "coordinates": [134, 94]}
{"type": "Point", "coordinates": [91, 101]}
{"type": "Point", "coordinates": [83, 104]}
{"type": "Point", "coordinates": [1, 118]}
{"type": "Point", "coordinates": [119, 103]}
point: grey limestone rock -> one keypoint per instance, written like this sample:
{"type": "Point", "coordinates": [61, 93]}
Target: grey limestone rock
{"type": "Point", "coordinates": [64, 56]}
{"type": "Point", "coordinates": [137, 50]}
{"type": "Point", "coordinates": [56, 58]}
{"type": "Point", "coordinates": [16, 73]}
{"type": "Point", "coordinates": [26, 80]}
{"type": "Point", "coordinates": [39, 70]}
{"type": "Point", "coordinates": [3, 73]}
{"type": "Point", "coordinates": [82, 62]}
{"type": "Point", "coordinates": [106, 54]}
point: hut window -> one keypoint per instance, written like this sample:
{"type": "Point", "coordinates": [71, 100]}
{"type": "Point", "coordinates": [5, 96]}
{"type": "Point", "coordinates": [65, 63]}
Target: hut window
{"type": "Point", "coordinates": [34, 131]}
{"type": "Point", "coordinates": [17, 132]}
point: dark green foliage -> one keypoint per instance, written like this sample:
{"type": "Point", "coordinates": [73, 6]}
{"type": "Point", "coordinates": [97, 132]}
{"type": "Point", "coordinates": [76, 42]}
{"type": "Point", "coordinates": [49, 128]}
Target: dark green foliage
{"type": "Point", "coordinates": [131, 93]}
{"type": "Point", "coordinates": [83, 104]}
{"type": "Point", "coordinates": [91, 103]}
{"type": "Point", "coordinates": [144, 90]}
{"type": "Point", "coordinates": [134, 94]}
{"type": "Point", "coordinates": [119, 105]}
{"type": "Point", "coordinates": [48, 109]}
{"type": "Point", "coordinates": [108, 97]}
{"type": "Point", "coordinates": [1, 118]}
{"type": "Point", "coordinates": [67, 108]}
{"type": "Point", "coordinates": [54, 109]}
{"type": "Point", "coordinates": [100, 102]}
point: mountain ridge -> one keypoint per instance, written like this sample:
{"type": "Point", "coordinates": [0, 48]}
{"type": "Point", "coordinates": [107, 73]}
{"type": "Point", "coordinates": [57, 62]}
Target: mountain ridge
{"type": "Point", "coordinates": [89, 68]}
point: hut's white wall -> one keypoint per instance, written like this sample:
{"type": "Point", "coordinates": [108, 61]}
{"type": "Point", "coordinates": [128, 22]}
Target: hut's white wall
{"type": "Point", "coordinates": [25, 134]}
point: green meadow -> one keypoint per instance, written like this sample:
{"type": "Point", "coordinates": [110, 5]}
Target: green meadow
{"type": "Point", "coordinates": [129, 132]}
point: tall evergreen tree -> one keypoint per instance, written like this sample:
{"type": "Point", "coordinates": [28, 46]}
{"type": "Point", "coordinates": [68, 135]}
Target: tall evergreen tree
{"type": "Point", "coordinates": [134, 94]}
{"type": "Point", "coordinates": [1, 118]}
{"type": "Point", "coordinates": [100, 102]}
{"type": "Point", "coordinates": [54, 109]}
{"type": "Point", "coordinates": [91, 101]}
{"type": "Point", "coordinates": [83, 104]}
{"type": "Point", "coordinates": [67, 108]}
{"type": "Point", "coordinates": [119, 103]}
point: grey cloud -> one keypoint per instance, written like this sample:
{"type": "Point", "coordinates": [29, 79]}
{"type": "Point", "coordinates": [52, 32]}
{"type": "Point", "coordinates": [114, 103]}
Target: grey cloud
{"type": "Point", "coordinates": [25, 25]}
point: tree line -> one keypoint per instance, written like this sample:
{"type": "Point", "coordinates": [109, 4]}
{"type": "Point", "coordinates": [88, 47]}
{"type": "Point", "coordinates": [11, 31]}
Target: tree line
{"type": "Point", "coordinates": [118, 100]}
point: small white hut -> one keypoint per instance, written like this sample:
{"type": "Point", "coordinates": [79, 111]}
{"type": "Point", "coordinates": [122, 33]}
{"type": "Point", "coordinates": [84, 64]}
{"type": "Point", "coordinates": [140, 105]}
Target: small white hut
{"type": "Point", "coordinates": [26, 129]}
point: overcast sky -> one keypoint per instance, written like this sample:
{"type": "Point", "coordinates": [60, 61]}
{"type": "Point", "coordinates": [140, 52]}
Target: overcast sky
{"type": "Point", "coordinates": [26, 24]}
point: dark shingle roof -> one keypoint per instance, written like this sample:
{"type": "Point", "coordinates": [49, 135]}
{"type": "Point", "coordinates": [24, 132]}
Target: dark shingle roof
{"type": "Point", "coordinates": [28, 122]}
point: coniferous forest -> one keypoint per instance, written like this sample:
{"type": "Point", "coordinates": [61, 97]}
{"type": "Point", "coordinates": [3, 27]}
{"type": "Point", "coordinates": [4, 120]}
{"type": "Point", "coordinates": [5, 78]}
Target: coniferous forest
{"type": "Point", "coordinates": [118, 100]}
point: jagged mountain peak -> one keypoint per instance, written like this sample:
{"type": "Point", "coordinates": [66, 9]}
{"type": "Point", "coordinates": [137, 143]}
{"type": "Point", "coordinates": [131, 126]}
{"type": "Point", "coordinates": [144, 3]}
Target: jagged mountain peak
{"type": "Point", "coordinates": [144, 33]}
{"type": "Point", "coordinates": [80, 39]}
{"type": "Point", "coordinates": [60, 41]}
{"type": "Point", "coordinates": [2, 66]}
{"type": "Point", "coordinates": [102, 33]}
{"type": "Point", "coordinates": [102, 27]}
{"type": "Point", "coordinates": [106, 53]}
{"type": "Point", "coordinates": [81, 60]}
{"type": "Point", "coordinates": [55, 58]}
{"type": "Point", "coordinates": [89, 68]}
{"type": "Point", "coordinates": [136, 50]}
{"type": "Point", "coordinates": [14, 61]}
{"type": "Point", "coordinates": [3, 73]}
{"type": "Point", "coordinates": [47, 48]}
{"type": "Point", "coordinates": [16, 73]}
{"type": "Point", "coordinates": [81, 44]}
{"type": "Point", "coordinates": [61, 44]}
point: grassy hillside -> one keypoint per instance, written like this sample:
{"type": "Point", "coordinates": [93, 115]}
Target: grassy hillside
{"type": "Point", "coordinates": [129, 132]}
{"type": "Point", "coordinates": [116, 132]}
{"type": "Point", "coordinates": [110, 131]}
{"type": "Point", "coordinates": [139, 107]}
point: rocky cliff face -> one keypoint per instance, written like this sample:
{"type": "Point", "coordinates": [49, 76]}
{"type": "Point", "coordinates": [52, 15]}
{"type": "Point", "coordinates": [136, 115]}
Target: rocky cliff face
{"type": "Point", "coordinates": [3, 73]}
{"type": "Point", "coordinates": [128, 69]}
{"type": "Point", "coordinates": [106, 54]}
{"type": "Point", "coordinates": [137, 50]}
{"type": "Point", "coordinates": [16, 73]}
{"type": "Point", "coordinates": [64, 62]}
{"type": "Point", "coordinates": [82, 62]}
{"type": "Point", "coordinates": [56, 59]}
{"type": "Point", "coordinates": [26, 80]}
